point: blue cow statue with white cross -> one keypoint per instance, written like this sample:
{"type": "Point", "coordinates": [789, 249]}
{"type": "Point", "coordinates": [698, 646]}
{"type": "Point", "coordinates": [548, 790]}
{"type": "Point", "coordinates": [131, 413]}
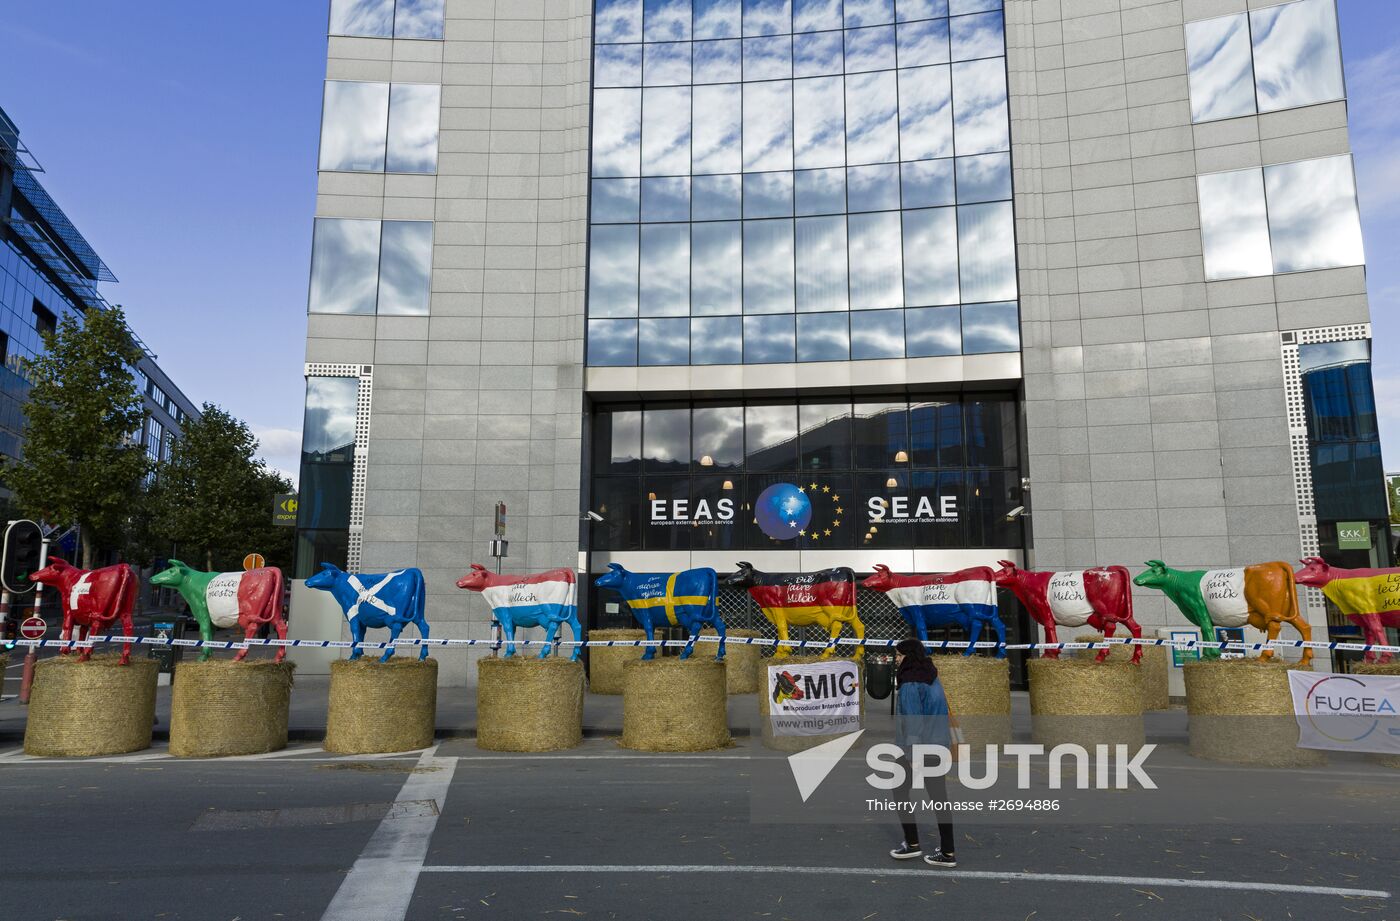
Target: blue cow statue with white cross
{"type": "Point", "coordinates": [677, 599]}
{"type": "Point", "coordinates": [393, 600]}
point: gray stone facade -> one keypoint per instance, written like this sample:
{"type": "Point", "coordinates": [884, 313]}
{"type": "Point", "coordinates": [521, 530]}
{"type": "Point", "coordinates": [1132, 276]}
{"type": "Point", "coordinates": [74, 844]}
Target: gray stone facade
{"type": "Point", "coordinates": [1154, 399]}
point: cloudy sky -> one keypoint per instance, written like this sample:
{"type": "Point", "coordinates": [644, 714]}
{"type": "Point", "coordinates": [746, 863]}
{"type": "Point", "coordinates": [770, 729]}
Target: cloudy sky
{"type": "Point", "coordinates": [182, 141]}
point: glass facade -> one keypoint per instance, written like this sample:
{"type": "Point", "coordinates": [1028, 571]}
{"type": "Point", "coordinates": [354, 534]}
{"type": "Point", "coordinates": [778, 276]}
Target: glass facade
{"type": "Point", "coordinates": [387, 18]}
{"type": "Point", "coordinates": [1290, 217]}
{"type": "Point", "coordinates": [808, 181]}
{"type": "Point", "coordinates": [327, 472]}
{"type": "Point", "coordinates": [874, 474]}
{"type": "Point", "coordinates": [369, 267]}
{"type": "Point", "coordinates": [1343, 440]}
{"type": "Point", "coordinates": [1278, 57]}
{"type": "Point", "coordinates": [380, 127]}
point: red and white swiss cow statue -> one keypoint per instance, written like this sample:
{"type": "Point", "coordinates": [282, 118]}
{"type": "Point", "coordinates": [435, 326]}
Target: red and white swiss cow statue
{"type": "Point", "coordinates": [92, 599]}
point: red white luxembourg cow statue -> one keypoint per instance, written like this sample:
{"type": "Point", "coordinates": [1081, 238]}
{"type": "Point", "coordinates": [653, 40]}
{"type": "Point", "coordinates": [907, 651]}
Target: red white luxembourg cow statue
{"type": "Point", "coordinates": [1100, 598]}
{"type": "Point", "coordinates": [91, 599]}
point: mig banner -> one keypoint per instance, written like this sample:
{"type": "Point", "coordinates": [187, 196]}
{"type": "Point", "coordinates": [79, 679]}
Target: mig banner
{"type": "Point", "coordinates": [819, 698]}
{"type": "Point", "coordinates": [1350, 713]}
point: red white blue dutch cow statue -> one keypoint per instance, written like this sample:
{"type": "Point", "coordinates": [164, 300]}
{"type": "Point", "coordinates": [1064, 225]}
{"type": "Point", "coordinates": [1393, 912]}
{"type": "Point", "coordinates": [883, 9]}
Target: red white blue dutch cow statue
{"type": "Point", "coordinates": [543, 599]}
{"type": "Point", "coordinates": [92, 599]}
{"type": "Point", "coordinates": [393, 600]}
{"type": "Point", "coordinates": [1100, 598]}
{"type": "Point", "coordinates": [678, 599]}
{"type": "Point", "coordinates": [966, 598]}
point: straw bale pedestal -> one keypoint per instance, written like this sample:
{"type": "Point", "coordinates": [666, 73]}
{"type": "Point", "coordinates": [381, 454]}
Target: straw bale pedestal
{"type": "Point", "coordinates": [381, 707]}
{"type": "Point", "coordinates": [979, 693]}
{"type": "Point", "coordinates": [98, 707]}
{"type": "Point", "coordinates": [1156, 666]}
{"type": "Point", "coordinates": [1086, 702]}
{"type": "Point", "coordinates": [529, 704]}
{"type": "Point", "coordinates": [1375, 668]}
{"type": "Point", "coordinates": [222, 707]}
{"type": "Point", "coordinates": [1241, 711]}
{"type": "Point", "coordinates": [675, 705]}
{"type": "Point", "coordinates": [743, 670]}
{"type": "Point", "coordinates": [605, 663]}
{"type": "Point", "coordinates": [795, 743]}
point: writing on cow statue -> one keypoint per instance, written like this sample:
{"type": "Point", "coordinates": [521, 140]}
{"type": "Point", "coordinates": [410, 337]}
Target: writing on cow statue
{"type": "Point", "coordinates": [826, 599]}
{"type": "Point", "coordinates": [92, 600]}
{"type": "Point", "coordinates": [390, 600]}
{"type": "Point", "coordinates": [1099, 597]}
{"type": "Point", "coordinates": [1263, 595]}
{"type": "Point", "coordinates": [966, 598]}
{"type": "Point", "coordinates": [678, 599]}
{"type": "Point", "coordinates": [1370, 598]}
{"type": "Point", "coordinates": [543, 599]}
{"type": "Point", "coordinates": [249, 600]}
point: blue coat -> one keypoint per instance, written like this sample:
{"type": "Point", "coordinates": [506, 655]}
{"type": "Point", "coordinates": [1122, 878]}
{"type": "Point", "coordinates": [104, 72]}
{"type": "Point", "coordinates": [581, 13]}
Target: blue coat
{"type": "Point", "coordinates": [922, 715]}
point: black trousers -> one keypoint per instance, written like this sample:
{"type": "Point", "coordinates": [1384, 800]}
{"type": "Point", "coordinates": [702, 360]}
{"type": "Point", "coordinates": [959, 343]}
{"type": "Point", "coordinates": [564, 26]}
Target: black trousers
{"type": "Point", "coordinates": [935, 789]}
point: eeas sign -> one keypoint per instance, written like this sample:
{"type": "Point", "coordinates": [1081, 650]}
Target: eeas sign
{"type": "Point", "coordinates": [284, 509]}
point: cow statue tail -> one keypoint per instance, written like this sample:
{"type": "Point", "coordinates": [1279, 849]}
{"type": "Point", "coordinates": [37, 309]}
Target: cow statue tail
{"type": "Point", "coordinates": [277, 616]}
{"type": "Point", "coordinates": [126, 602]}
{"type": "Point", "coordinates": [418, 606]}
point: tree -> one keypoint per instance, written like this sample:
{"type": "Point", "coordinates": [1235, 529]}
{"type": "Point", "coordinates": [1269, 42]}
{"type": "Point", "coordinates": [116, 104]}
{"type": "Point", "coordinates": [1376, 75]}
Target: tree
{"type": "Point", "coordinates": [83, 463]}
{"type": "Point", "coordinates": [213, 496]}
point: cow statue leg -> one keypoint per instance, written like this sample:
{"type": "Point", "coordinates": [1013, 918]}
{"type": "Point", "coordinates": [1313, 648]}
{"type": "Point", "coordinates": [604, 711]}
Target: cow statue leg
{"type": "Point", "coordinates": [1108, 627]}
{"type": "Point", "coordinates": [280, 624]}
{"type": "Point", "coordinates": [84, 631]}
{"type": "Point", "coordinates": [206, 634]}
{"type": "Point", "coordinates": [651, 635]}
{"type": "Point", "coordinates": [507, 631]}
{"type": "Point", "coordinates": [780, 624]}
{"type": "Point", "coordinates": [974, 633]}
{"type": "Point", "coordinates": [394, 630]}
{"type": "Point", "coordinates": [833, 633]}
{"type": "Point", "coordinates": [422, 623]}
{"type": "Point", "coordinates": [357, 633]}
{"type": "Point", "coordinates": [250, 631]}
{"type": "Point", "coordinates": [130, 630]}
{"type": "Point", "coordinates": [1000, 628]}
{"type": "Point", "coordinates": [719, 628]}
{"type": "Point", "coordinates": [551, 633]}
{"type": "Point", "coordinates": [576, 629]}
{"type": "Point", "coordinates": [66, 633]}
{"type": "Point", "coordinates": [1271, 627]}
{"type": "Point", "coordinates": [859, 630]}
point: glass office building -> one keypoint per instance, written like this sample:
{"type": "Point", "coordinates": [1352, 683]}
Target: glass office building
{"type": "Point", "coordinates": [968, 280]}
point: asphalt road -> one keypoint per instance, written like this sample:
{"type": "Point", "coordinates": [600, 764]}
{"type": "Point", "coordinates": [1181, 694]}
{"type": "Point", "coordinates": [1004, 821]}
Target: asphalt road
{"type": "Point", "coordinates": [602, 833]}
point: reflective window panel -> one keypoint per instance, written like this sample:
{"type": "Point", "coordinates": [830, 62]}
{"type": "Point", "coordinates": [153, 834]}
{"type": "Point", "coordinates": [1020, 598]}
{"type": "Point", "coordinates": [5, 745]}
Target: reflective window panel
{"type": "Point", "coordinates": [716, 341]}
{"type": "Point", "coordinates": [418, 18]}
{"type": "Point", "coordinates": [1313, 221]}
{"type": "Point", "coordinates": [344, 266]}
{"type": "Point", "coordinates": [612, 271]}
{"type": "Point", "coordinates": [1297, 54]}
{"type": "Point", "coordinates": [369, 18]}
{"type": "Point", "coordinates": [405, 268]}
{"type": "Point", "coordinates": [1222, 76]}
{"type": "Point", "coordinates": [990, 328]}
{"type": "Point", "coordinates": [1234, 224]}
{"type": "Point", "coordinates": [413, 128]}
{"type": "Point", "coordinates": [612, 343]}
{"type": "Point", "coordinates": [768, 339]}
{"type": "Point", "coordinates": [663, 341]}
{"type": "Point", "coordinates": [354, 122]}
{"type": "Point", "coordinates": [823, 336]}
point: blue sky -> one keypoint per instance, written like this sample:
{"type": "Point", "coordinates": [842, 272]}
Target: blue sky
{"type": "Point", "coordinates": [181, 139]}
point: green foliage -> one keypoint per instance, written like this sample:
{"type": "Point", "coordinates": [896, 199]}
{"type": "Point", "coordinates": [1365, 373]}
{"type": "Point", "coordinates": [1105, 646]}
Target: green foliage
{"type": "Point", "coordinates": [213, 496]}
{"type": "Point", "coordinates": [82, 463]}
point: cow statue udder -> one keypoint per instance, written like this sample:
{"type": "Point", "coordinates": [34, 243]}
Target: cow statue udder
{"type": "Point", "coordinates": [391, 599]}
{"type": "Point", "coordinates": [1100, 598]}
{"type": "Point", "coordinates": [92, 599]}
{"type": "Point", "coordinates": [249, 600]}
{"type": "Point", "coordinates": [1370, 598]}
{"type": "Point", "coordinates": [966, 598]}
{"type": "Point", "coordinates": [543, 599]}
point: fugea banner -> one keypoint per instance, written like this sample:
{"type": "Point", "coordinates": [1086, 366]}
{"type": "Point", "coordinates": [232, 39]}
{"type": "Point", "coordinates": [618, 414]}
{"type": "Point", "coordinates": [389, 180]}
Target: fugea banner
{"type": "Point", "coordinates": [820, 698]}
{"type": "Point", "coordinates": [1350, 713]}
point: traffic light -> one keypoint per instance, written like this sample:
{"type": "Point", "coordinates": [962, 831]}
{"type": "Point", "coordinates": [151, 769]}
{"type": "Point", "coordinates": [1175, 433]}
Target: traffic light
{"type": "Point", "coordinates": [24, 542]}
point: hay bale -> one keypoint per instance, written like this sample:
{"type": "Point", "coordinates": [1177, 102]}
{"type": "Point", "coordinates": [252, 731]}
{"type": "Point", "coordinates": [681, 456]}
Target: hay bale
{"type": "Point", "coordinates": [528, 704]}
{"type": "Point", "coordinates": [792, 743]}
{"type": "Point", "coordinates": [605, 663]}
{"type": "Point", "coordinates": [379, 707]}
{"type": "Point", "coordinates": [1086, 702]}
{"type": "Point", "coordinates": [742, 668]}
{"type": "Point", "coordinates": [1380, 668]}
{"type": "Point", "coordinates": [979, 693]}
{"type": "Point", "coordinates": [1156, 667]}
{"type": "Point", "coordinates": [222, 707]}
{"type": "Point", "coordinates": [1241, 711]}
{"type": "Point", "coordinates": [98, 707]}
{"type": "Point", "coordinates": [675, 705]}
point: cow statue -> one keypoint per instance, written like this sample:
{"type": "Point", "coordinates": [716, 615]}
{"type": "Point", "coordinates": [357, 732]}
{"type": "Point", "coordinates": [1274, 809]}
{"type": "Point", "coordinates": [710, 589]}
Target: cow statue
{"type": "Point", "coordinates": [826, 598]}
{"type": "Point", "coordinates": [1100, 598]}
{"type": "Point", "coordinates": [391, 599]}
{"type": "Point", "coordinates": [543, 599]}
{"type": "Point", "coordinates": [679, 599]}
{"type": "Point", "coordinates": [249, 600]}
{"type": "Point", "coordinates": [1263, 596]}
{"type": "Point", "coordinates": [966, 598]}
{"type": "Point", "coordinates": [92, 599]}
{"type": "Point", "coordinates": [1369, 597]}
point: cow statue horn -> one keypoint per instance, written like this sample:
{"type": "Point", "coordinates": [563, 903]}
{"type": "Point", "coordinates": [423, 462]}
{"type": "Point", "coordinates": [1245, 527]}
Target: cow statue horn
{"type": "Point", "coordinates": [478, 567]}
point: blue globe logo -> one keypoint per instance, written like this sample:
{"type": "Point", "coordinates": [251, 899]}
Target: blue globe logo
{"type": "Point", "coordinates": [782, 510]}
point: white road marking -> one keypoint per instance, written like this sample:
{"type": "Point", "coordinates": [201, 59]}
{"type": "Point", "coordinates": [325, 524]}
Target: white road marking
{"type": "Point", "coordinates": [928, 874]}
{"type": "Point", "coordinates": [380, 885]}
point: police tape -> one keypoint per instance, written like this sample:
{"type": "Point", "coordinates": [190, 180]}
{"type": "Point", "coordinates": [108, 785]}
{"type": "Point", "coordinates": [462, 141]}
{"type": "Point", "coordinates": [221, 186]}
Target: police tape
{"type": "Point", "coordinates": [797, 645]}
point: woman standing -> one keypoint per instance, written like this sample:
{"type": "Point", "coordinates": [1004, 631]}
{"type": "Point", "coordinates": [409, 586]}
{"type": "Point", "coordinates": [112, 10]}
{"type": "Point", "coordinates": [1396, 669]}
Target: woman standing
{"type": "Point", "coordinates": [923, 718]}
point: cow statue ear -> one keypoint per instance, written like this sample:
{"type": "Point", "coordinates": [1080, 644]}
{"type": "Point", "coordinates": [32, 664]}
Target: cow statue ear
{"type": "Point", "coordinates": [477, 567]}
{"type": "Point", "coordinates": [328, 566]}
{"type": "Point", "coordinates": [174, 562]}
{"type": "Point", "coordinates": [615, 567]}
